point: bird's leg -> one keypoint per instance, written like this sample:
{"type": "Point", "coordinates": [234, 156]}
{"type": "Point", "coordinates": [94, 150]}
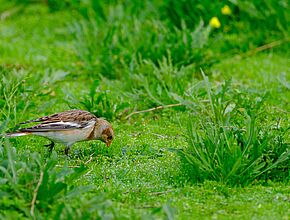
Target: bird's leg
{"type": "Point", "coordinates": [50, 146]}
{"type": "Point", "coordinates": [66, 150]}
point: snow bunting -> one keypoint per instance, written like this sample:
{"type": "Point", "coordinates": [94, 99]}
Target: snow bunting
{"type": "Point", "coordinates": [68, 128]}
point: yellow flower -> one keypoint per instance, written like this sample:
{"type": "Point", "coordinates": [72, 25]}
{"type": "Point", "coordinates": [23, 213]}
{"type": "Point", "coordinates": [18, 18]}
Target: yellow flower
{"type": "Point", "coordinates": [214, 22]}
{"type": "Point", "coordinates": [226, 10]}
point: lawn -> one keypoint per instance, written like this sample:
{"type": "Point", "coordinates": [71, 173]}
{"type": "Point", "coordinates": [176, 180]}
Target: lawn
{"type": "Point", "coordinates": [199, 105]}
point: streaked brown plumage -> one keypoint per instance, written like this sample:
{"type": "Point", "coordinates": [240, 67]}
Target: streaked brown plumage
{"type": "Point", "coordinates": [69, 127]}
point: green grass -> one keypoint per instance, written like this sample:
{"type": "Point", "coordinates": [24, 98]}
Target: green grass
{"type": "Point", "coordinates": [222, 154]}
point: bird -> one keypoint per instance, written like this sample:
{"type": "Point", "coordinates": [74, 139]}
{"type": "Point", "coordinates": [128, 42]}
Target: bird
{"type": "Point", "coordinates": [67, 128]}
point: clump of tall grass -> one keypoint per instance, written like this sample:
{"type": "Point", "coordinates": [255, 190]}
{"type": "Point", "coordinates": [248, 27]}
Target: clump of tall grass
{"type": "Point", "coordinates": [34, 187]}
{"type": "Point", "coordinates": [107, 49]}
{"type": "Point", "coordinates": [228, 141]}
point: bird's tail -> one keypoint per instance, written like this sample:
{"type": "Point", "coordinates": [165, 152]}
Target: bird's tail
{"type": "Point", "coordinates": [16, 134]}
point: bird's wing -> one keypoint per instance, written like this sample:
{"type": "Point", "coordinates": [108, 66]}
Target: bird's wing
{"type": "Point", "coordinates": [67, 116]}
{"type": "Point", "coordinates": [57, 126]}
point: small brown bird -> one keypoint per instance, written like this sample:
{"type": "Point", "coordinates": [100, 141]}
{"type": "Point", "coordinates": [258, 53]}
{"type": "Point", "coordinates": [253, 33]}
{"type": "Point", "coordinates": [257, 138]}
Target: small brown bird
{"type": "Point", "coordinates": [68, 128]}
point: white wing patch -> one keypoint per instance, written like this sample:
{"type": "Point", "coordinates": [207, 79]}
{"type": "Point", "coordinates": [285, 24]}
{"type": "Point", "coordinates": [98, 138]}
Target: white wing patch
{"type": "Point", "coordinates": [57, 126]}
{"type": "Point", "coordinates": [70, 124]}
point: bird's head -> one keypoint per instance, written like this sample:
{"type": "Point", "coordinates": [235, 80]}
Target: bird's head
{"type": "Point", "coordinates": [107, 133]}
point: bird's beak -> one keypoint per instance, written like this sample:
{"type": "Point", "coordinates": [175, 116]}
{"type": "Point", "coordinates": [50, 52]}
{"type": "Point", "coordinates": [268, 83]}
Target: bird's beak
{"type": "Point", "coordinates": [108, 143]}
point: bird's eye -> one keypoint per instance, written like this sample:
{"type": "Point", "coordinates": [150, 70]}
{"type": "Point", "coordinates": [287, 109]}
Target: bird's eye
{"type": "Point", "coordinates": [109, 137]}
